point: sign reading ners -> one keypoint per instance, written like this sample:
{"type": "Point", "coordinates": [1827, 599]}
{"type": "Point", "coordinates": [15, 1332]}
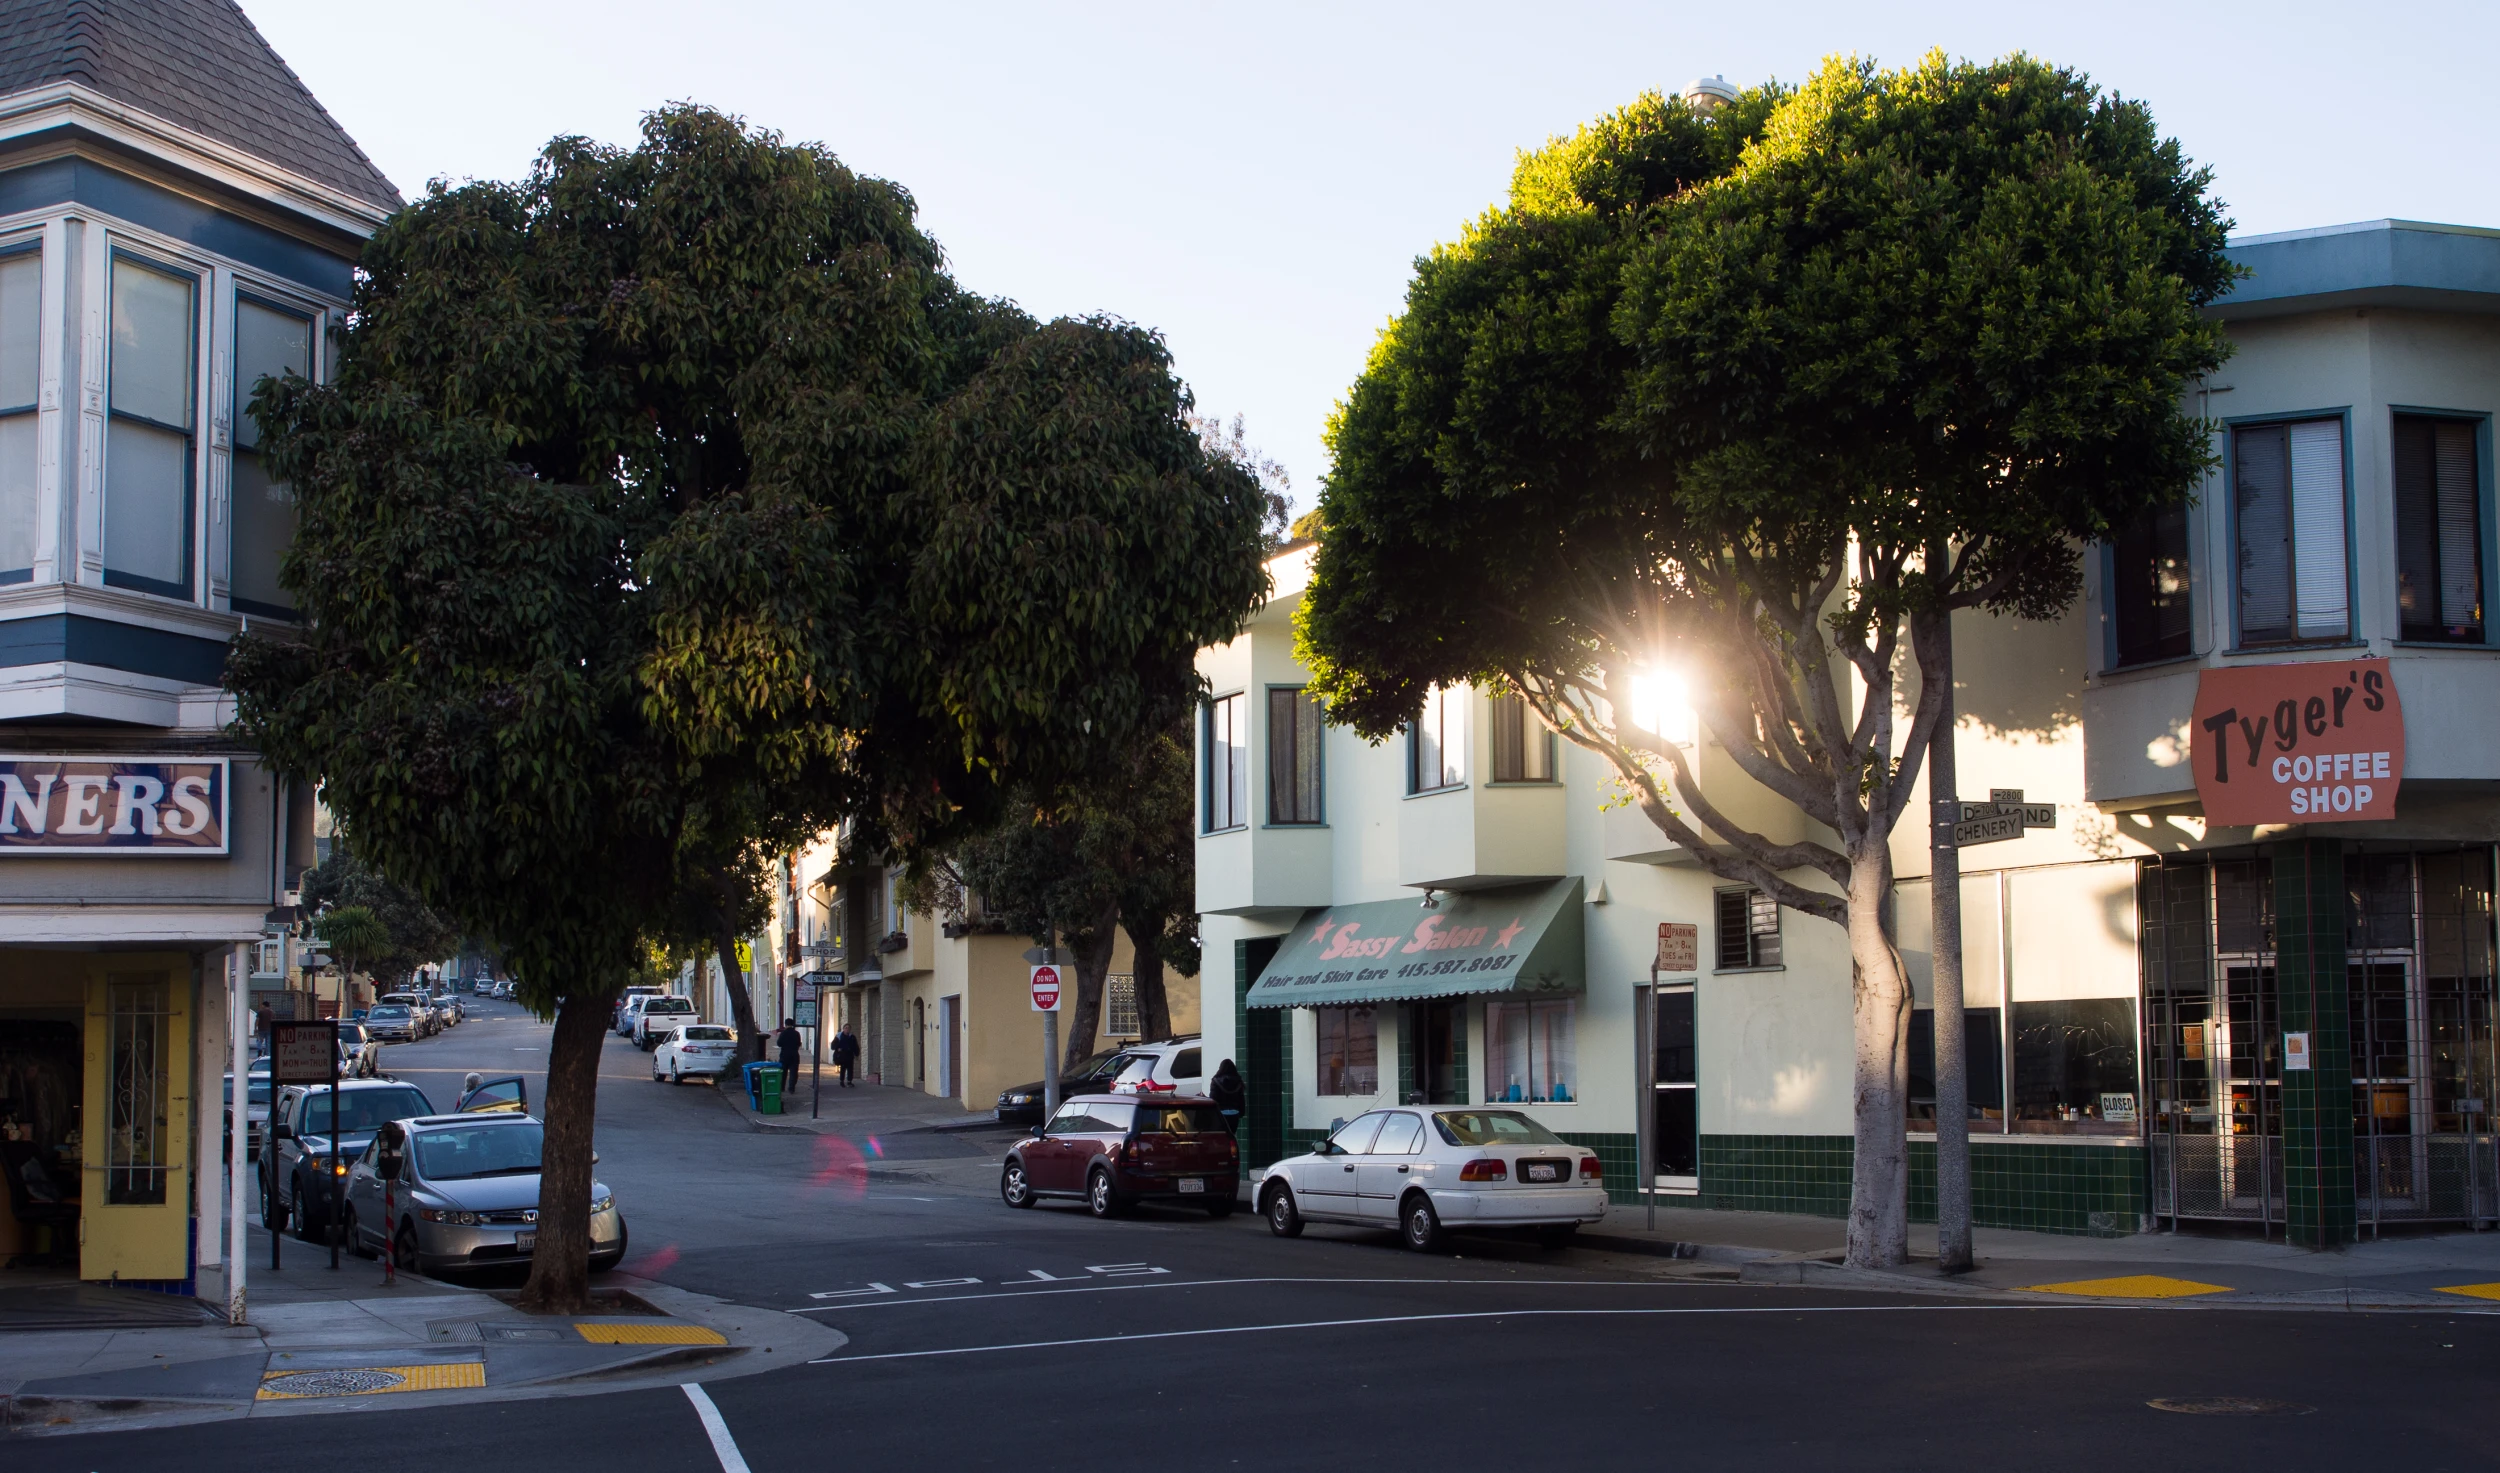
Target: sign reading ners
{"type": "Point", "coordinates": [2321, 742]}
{"type": "Point", "coordinates": [58, 806]}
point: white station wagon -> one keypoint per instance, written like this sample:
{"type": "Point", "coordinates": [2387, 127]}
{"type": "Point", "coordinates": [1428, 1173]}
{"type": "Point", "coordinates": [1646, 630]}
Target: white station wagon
{"type": "Point", "coordinates": [697, 1049]}
{"type": "Point", "coordinates": [1419, 1168]}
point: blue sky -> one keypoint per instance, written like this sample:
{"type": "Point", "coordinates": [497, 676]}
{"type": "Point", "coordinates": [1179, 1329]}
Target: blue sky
{"type": "Point", "coordinates": [1256, 180]}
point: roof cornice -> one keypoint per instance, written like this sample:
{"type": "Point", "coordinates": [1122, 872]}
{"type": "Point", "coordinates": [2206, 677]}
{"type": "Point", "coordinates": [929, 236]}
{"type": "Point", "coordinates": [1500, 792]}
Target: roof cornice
{"type": "Point", "coordinates": [74, 105]}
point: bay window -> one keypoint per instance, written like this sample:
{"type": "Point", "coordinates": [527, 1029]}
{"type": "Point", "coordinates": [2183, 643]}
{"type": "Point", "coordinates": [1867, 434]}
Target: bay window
{"type": "Point", "coordinates": [1523, 751]}
{"type": "Point", "coordinates": [2288, 492]}
{"type": "Point", "coordinates": [150, 422]}
{"type": "Point", "coordinates": [2439, 537]}
{"type": "Point", "coordinates": [1225, 763]}
{"type": "Point", "coordinates": [2149, 588]}
{"type": "Point", "coordinates": [1293, 757]}
{"type": "Point", "coordinates": [1436, 747]}
{"type": "Point", "coordinates": [21, 336]}
{"type": "Point", "coordinates": [268, 343]}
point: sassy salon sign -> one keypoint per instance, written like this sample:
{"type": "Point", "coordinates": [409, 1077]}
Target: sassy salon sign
{"type": "Point", "coordinates": [2320, 742]}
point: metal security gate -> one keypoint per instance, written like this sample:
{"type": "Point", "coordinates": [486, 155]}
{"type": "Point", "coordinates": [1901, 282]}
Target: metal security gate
{"type": "Point", "coordinates": [2420, 978]}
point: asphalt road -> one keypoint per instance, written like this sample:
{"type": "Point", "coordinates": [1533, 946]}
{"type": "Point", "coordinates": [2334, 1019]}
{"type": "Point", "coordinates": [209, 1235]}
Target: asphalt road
{"type": "Point", "coordinates": [981, 1336]}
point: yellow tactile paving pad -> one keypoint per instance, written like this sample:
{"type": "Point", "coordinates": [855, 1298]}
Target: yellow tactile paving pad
{"type": "Point", "coordinates": [651, 1335]}
{"type": "Point", "coordinates": [2132, 1286]}
{"type": "Point", "coordinates": [2474, 1291]}
{"type": "Point", "coordinates": [371, 1380]}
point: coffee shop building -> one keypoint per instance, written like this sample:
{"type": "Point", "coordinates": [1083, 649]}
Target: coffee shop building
{"type": "Point", "coordinates": [178, 219]}
{"type": "Point", "coordinates": [2237, 969]}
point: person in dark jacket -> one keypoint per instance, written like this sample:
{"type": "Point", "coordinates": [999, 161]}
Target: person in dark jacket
{"type": "Point", "coordinates": [1229, 1094]}
{"type": "Point", "coordinates": [845, 1054]}
{"type": "Point", "coordinates": [788, 1041]}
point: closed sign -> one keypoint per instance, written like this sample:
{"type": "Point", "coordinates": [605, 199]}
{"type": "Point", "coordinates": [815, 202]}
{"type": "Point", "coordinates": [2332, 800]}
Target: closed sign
{"type": "Point", "coordinates": [57, 806]}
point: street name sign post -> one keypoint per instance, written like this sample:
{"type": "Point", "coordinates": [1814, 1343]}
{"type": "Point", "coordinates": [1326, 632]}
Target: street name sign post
{"type": "Point", "coordinates": [2004, 816]}
{"type": "Point", "coordinates": [803, 1003]}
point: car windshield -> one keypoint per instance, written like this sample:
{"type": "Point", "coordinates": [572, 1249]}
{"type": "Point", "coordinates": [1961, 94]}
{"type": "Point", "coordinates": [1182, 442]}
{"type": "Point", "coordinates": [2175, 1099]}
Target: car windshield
{"type": "Point", "coordinates": [254, 1093]}
{"type": "Point", "coordinates": [703, 1033]}
{"type": "Point", "coordinates": [1492, 1128]}
{"type": "Point", "coordinates": [387, 1012]}
{"type": "Point", "coordinates": [461, 1153]}
{"type": "Point", "coordinates": [360, 1110]}
{"type": "Point", "coordinates": [1179, 1120]}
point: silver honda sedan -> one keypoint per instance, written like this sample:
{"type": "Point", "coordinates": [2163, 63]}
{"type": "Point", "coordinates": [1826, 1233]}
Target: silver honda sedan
{"type": "Point", "coordinates": [450, 1192]}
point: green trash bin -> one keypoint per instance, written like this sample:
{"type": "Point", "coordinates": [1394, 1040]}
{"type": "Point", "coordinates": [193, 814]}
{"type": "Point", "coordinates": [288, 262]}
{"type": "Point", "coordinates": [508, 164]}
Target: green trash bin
{"type": "Point", "coordinates": [768, 1100]}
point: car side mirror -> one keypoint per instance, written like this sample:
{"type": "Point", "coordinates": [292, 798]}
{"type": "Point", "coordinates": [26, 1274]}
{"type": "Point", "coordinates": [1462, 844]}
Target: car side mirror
{"type": "Point", "coordinates": [1324, 1148]}
{"type": "Point", "coordinates": [594, 1158]}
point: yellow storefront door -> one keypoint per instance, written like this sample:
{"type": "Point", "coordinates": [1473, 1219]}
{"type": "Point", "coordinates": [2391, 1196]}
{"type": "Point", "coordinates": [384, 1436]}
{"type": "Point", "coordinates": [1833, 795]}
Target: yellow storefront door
{"type": "Point", "coordinates": [135, 1126]}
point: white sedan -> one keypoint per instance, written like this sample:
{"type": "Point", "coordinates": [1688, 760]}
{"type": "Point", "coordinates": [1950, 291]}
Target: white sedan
{"type": "Point", "coordinates": [694, 1049]}
{"type": "Point", "coordinates": [1418, 1169]}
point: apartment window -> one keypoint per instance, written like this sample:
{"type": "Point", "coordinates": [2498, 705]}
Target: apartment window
{"type": "Point", "coordinates": [1119, 1005]}
{"type": "Point", "coordinates": [2148, 588]}
{"type": "Point", "coordinates": [2288, 488]}
{"type": "Point", "coordinates": [21, 336]}
{"type": "Point", "coordinates": [1349, 1050]}
{"type": "Point", "coordinates": [1293, 757]}
{"type": "Point", "coordinates": [1227, 763]}
{"type": "Point", "coordinates": [1532, 1052]}
{"type": "Point", "coordinates": [1523, 751]}
{"type": "Point", "coordinates": [1749, 930]}
{"type": "Point", "coordinates": [270, 958]}
{"type": "Point", "coordinates": [147, 439]}
{"type": "Point", "coordinates": [2439, 536]}
{"type": "Point", "coordinates": [1436, 745]}
{"type": "Point", "coordinates": [268, 343]}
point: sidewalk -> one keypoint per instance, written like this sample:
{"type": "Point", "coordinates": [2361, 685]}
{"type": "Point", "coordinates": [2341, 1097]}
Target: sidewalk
{"type": "Point", "coordinates": [2456, 1272]}
{"type": "Point", "coordinates": [863, 1109]}
{"type": "Point", "coordinates": [321, 1340]}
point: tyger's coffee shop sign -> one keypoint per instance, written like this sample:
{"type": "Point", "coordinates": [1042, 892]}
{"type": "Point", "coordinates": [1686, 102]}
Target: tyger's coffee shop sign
{"type": "Point", "coordinates": [62, 806]}
{"type": "Point", "coordinates": [2319, 742]}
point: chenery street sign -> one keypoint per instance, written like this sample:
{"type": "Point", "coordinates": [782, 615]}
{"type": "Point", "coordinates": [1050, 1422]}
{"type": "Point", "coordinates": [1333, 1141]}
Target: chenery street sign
{"type": "Point", "coordinates": [2004, 816]}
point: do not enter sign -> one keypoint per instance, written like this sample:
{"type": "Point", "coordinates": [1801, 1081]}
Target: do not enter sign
{"type": "Point", "coordinates": [1045, 989]}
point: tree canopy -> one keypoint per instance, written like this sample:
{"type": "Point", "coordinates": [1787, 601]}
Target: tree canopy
{"type": "Point", "coordinates": [1745, 396]}
{"type": "Point", "coordinates": [413, 932]}
{"type": "Point", "coordinates": [674, 501]}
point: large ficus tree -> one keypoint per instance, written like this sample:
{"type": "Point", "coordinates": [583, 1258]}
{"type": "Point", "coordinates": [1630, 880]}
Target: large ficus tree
{"type": "Point", "coordinates": [674, 502]}
{"type": "Point", "coordinates": [1758, 399]}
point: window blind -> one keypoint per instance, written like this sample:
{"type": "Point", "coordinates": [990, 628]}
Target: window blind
{"type": "Point", "coordinates": [2318, 528]}
{"type": "Point", "coordinates": [2288, 492]}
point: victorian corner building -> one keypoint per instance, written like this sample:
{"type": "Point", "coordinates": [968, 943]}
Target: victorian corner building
{"type": "Point", "coordinates": [178, 218]}
{"type": "Point", "coordinates": [2234, 964]}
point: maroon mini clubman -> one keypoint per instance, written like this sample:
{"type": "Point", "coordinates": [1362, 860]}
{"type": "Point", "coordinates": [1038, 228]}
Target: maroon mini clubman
{"type": "Point", "coordinates": [1114, 1151]}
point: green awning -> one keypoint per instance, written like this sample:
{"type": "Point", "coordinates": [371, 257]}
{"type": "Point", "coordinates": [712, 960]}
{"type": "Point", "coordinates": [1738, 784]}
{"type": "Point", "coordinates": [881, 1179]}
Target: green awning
{"type": "Point", "coordinates": [1523, 939]}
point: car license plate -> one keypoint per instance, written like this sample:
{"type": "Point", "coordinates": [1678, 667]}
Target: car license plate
{"type": "Point", "coordinates": [526, 1242]}
{"type": "Point", "coordinates": [1541, 1171]}
{"type": "Point", "coordinates": [1190, 1184]}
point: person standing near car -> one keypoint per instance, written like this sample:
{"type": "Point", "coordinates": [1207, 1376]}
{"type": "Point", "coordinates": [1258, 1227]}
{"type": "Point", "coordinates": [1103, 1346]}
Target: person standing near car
{"type": "Point", "coordinates": [845, 1054]}
{"type": "Point", "coordinates": [1229, 1094]}
{"type": "Point", "coordinates": [788, 1041]}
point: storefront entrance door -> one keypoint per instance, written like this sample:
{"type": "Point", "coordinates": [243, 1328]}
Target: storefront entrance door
{"type": "Point", "coordinates": [1674, 1133]}
{"type": "Point", "coordinates": [134, 1190]}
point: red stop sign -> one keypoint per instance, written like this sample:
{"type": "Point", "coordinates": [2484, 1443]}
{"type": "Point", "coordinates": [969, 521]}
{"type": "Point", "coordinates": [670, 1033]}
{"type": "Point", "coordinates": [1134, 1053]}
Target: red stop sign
{"type": "Point", "coordinates": [1045, 989]}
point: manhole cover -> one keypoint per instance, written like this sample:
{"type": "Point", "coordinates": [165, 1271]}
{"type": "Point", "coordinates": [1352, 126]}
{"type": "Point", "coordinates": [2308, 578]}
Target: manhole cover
{"type": "Point", "coordinates": [332, 1383]}
{"type": "Point", "coordinates": [2229, 1406]}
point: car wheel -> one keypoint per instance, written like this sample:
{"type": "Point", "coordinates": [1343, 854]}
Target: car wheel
{"type": "Point", "coordinates": [404, 1249]}
{"type": "Point", "coordinates": [1014, 1188]}
{"type": "Point", "coordinates": [305, 1227]}
{"type": "Point", "coordinates": [656, 1075]}
{"type": "Point", "coordinates": [674, 1077]}
{"type": "Point", "coordinates": [1419, 1224]}
{"type": "Point", "coordinates": [1283, 1218]}
{"type": "Point", "coordinates": [1101, 1198]}
{"type": "Point", "coordinates": [272, 1211]}
{"type": "Point", "coordinates": [1557, 1234]}
{"type": "Point", "coordinates": [1219, 1207]}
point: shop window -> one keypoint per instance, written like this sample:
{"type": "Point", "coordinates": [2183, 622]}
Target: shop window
{"type": "Point", "coordinates": [1983, 1072]}
{"type": "Point", "coordinates": [1523, 750]}
{"type": "Point", "coordinates": [21, 337]}
{"type": "Point", "coordinates": [1349, 1050]}
{"type": "Point", "coordinates": [138, 1148]}
{"type": "Point", "coordinates": [148, 431]}
{"type": "Point", "coordinates": [2149, 588]}
{"type": "Point", "coordinates": [1531, 1052]}
{"type": "Point", "coordinates": [2074, 1067]}
{"type": "Point", "coordinates": [1293, 757]}
{"type": "Point", "coordinates": [2288, 489]}
{"type": "Point", "coordinates": [1225, 763]}
{"type": "Point", "coordinates": [2439, 538]}
{"type": "Point", "coordinates": [1119, 1005]}
{"type": "Point", "coordinates": [268, 343]}
{"type": "Point", "coordinates": [1748, 929]}
{"type": "Point", "coordinates": [1436, 745]}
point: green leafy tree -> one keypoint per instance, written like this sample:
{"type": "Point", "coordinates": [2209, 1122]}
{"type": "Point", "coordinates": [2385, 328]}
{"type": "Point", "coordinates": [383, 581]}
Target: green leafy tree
{"type": "Point", "coordinates": [416, 933]}
{"type": "Point", "coordinates": [1750, 397]}
{"type": "Point", "coordinates": [354, 936]}
{"type": "Point", "coordinates": [673, 502]}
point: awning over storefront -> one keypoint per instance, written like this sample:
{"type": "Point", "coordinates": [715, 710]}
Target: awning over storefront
{"type": "Point", "coordinates": [1518, 939]}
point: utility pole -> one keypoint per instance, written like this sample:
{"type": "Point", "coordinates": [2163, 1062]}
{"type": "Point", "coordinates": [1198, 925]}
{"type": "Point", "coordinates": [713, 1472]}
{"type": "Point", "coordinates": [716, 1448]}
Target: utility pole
{"type": "Point", "coordinates": [1953, 1253]}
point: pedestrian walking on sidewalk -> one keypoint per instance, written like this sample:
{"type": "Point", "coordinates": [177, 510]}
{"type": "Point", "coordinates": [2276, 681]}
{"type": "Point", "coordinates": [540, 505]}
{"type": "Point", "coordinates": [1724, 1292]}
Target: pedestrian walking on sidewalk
{"type": "Point", "coordinates": [1229, 1095]}
{"type": "Point", "coordinates": [788, 1041]}
{"type": "Point", "coordinates": [845, 1054]}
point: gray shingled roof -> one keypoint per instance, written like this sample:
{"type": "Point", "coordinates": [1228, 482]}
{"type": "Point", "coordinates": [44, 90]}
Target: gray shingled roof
{"type": "Point", "coordinates": [199, 64]}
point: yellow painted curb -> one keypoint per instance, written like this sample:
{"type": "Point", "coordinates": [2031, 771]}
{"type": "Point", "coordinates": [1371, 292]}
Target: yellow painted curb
{"type": "Point", "coordinates": [2132, 1286]}
{"type": "Point", "coordinates": [2474, 1291]}
{"type": "Point", "coordinates": [651, 1335]}
{"type": "Point", "coordinates": [439, 1376]}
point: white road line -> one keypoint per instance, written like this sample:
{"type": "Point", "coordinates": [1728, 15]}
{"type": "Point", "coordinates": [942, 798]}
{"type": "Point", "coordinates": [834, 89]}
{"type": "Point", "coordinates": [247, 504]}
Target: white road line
{"type": "Point", "coordinates": [724, 1446]}
{"type": "Point", "coordinates": [1037, 1292]}
{"type": "Point", "coordinates": [1486, 1314]}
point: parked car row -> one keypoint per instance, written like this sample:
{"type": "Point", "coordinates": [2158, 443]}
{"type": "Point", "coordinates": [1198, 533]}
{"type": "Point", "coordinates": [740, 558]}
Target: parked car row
{"type": "Point", "coordinates": [414, 1013]}
{"type": "Point", "coordinates": [1176, 1066]}
{"type": "Point", "coordinates": [648, 1020]}
{"type": "Point", "coordinates": [1419, 1169]}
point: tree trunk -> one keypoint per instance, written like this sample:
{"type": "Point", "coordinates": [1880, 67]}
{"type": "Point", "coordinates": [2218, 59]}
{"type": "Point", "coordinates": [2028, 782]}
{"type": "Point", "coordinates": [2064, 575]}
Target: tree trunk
{"type": "Point", "coordinates": [559, 1281]}
{"type": "Point", "coordinates": [741, 1006]}
{"type": "Point", "coordinates": [1880, 1004]}
{"type": "Point", "coordinates": [1093, 961]}
{"type": "Point", "coordinates": [1154, 1002]}
{"type": "Point", "coordinates": [1953, 1254]}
